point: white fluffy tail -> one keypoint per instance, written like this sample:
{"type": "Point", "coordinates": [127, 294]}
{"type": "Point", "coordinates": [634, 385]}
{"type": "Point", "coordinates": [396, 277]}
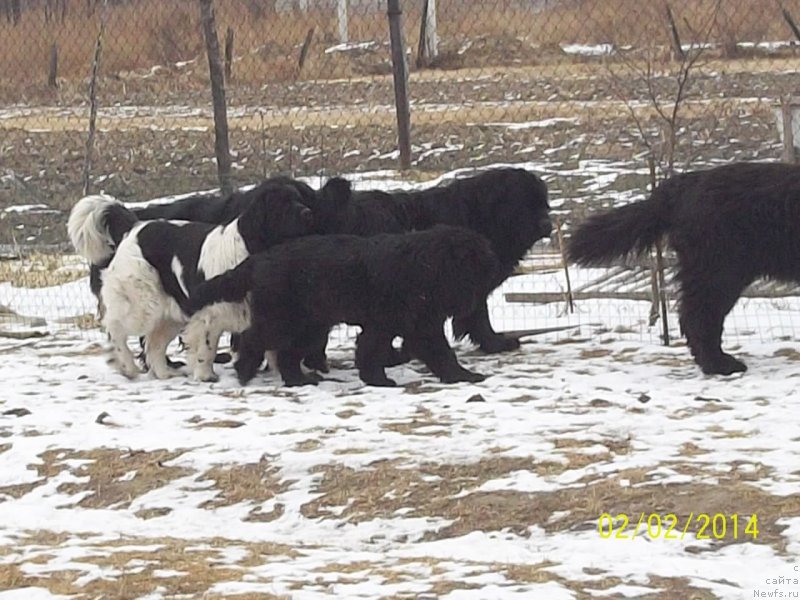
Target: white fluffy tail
{"type": "Point", "coordinates": [88, 228]}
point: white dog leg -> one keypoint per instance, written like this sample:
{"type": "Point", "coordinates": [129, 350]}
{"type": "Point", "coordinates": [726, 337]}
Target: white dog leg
{"type": "Point", "coordinates": [123, 357]}
{"type": "Point", "coordinates": [201, 341]}
{"type": "Point", "coordinates": [155, 349]}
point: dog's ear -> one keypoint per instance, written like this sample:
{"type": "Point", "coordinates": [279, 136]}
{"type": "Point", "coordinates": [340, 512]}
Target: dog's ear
{"type": "Point", "coordinates": [337, 191]}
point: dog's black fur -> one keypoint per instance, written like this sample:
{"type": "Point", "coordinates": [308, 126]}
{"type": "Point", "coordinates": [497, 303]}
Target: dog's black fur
{"type": "Point", "coordinates": [507, 206]}
{"type": "Point", "coordinates": [389, 284]}
{"type": "Point", "coordinates": [218, 210]}
{"type": "Point", "coordinates": [728, 226]}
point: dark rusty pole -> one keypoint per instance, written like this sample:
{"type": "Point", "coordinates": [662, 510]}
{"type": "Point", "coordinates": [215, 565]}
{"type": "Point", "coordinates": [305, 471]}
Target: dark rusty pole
{"type": "Point", "coordinates": [400, 71]}
{"type": "Point", "coordinates": [217, 77]}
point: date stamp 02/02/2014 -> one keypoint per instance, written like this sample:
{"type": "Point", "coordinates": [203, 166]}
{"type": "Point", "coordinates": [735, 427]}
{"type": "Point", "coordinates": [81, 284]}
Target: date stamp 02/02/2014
{"type": "Point", "coordinates": [701, 526]}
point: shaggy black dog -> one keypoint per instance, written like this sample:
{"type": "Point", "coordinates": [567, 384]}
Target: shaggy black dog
{"type": "Point", "coordinates": [389, 284]}
{"type": "Point", "coordinates": [508, 206]}
{"type": "Point", "coordinates": [728, 225]}
{"type": "Point", "coordinates": [219, 210]}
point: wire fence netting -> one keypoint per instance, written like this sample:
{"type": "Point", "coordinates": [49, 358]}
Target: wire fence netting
{"type": "Point", "coordinates": [583, 92]}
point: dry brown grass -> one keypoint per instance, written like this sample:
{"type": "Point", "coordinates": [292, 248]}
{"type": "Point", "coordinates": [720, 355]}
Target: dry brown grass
{"type": "Point", "coordinates": [142, 34]}
{"type": "Point", "coordinates": [252, 483]}
{"type": "Point", "coordinates": [109, 481]}
{"type": "Point", "coordinates": [429, 491]}
{"type": "Point", "coordinates": [41, 270]}
{"type": "Point", "coordinates": [115, 477]}
{"type": "Point", "coordinates": [197, 567]}
{"type": "Point", "coordinates": [422, 423]}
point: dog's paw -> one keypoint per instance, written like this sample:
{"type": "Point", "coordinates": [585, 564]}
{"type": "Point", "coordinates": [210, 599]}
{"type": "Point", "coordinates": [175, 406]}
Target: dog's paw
{"type": "Point", "coordinates": [499, 343]}
{"type": "Point", "coordinates": [167, 373]}
{"type": "Point", "coordinates": [206, 377]}
{"type": "Point", "coordinates": [468, 376]}
{"type": "Point", "coordinates": [724, 365]}
{"type": "Point", "coordinates": [380, 382]}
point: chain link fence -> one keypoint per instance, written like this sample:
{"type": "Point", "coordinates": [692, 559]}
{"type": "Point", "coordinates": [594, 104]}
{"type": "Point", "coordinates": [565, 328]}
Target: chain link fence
{"type": "Point", "coordinates": [584, 92]}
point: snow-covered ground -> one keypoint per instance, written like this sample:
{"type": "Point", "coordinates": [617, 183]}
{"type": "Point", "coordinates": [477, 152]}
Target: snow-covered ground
{"type": "Point", "coordinates": [367, 492]}
{"type": "Point", "coordinates": [149, 489]}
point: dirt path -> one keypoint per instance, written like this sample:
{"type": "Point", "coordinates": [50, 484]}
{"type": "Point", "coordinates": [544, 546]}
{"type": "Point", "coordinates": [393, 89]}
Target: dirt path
{"type": "Point", "coordinates": [146, 117]}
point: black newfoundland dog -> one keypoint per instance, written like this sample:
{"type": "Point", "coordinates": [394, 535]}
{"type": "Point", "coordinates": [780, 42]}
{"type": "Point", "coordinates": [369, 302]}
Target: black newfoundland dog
{"type": "Point", "coordinates": [390, 284]}
{"type": "Point", "coordinates": [728, 225]}
{"type": "Point", "coordinates": [507, 206]}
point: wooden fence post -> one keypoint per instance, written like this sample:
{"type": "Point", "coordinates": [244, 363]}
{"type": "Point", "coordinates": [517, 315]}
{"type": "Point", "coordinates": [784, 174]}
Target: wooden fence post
{"type": "Point", "coordinates": [677, 47]}
{"type": "Point", "coordinates": [304, 50]}
{"type": "Point", "coordinates": [98, 47]}
{"type": "Point", "coordinates": [400, 72]}
{"type": "Point", "coordinates": [228, 54]}
{"type": "Point", "coordinates": [52, 74]}
{"type": "Point", "coordinates": [216, 75]}
{"type": "Point", "coordinates": [562, 249]}
{"type": "Point", "coordinates": [658, 281]}
{"type": "Point", "coordinates": [428, 48]}
{"type": "Point", "coordinates": [789, 153]}
{"type": "Point", "coordinates": [341, 18]}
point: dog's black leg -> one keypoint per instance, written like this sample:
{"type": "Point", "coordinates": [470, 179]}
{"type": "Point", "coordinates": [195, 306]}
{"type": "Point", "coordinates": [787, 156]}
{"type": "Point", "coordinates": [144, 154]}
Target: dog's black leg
{"type": "Point", "coordinates": [222, 358]}
{"type": "Point", "coordinates": [251, 354]}
{"type": "Point", "coordinates": [315, 357]}
{"type": "Point", "coordinates": [289, 367]}
{"type": "Point", "coordinates": [705, 302]}
{"type": "Point", "coordinates": [370, 354]}
{"type": "Point", "coordinates": [479, 329]}
{"type": "Point", "coordinates": [431, 347]}
{"type": "Point", "coordinates": [395, 356]}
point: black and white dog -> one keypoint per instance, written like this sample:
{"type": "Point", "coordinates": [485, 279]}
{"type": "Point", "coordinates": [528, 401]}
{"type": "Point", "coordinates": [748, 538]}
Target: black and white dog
{"type": "Point", "coordinates": [221, 210]}
{"type": "Point", "coordinates": [154, 265]}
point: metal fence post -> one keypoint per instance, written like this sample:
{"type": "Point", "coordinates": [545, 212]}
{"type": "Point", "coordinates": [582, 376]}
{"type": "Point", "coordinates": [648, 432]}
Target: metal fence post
{"type": "Point", "coordinates": [400, 72]}
{"type": "Point", "coordinates": [217, 77]}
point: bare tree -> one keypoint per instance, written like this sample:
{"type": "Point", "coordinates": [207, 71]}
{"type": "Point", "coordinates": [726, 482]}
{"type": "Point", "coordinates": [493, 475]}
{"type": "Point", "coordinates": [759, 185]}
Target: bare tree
{"type": "Point", "coordinates": [666, 84]}
{"type": "Point", "coordinates": [663, 75]}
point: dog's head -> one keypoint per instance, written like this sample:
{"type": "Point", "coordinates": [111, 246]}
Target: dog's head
{"type": "Point", "coordinates": [327, 204]}
{"type": "Point", "coordinates": [276, 214]}
{"type": "Point", "coordinates": [521, 213]}
{"type": "Point", "coordinates": [537, 208]}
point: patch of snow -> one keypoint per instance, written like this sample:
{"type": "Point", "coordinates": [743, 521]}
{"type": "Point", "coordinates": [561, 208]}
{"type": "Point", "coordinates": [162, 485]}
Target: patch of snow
{"type": "Point", "coordinates": [588, 49]}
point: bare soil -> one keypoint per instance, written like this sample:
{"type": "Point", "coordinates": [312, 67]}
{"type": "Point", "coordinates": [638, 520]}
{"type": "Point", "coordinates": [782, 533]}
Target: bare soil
{"type": "Point", "coordinates": [156, 132]}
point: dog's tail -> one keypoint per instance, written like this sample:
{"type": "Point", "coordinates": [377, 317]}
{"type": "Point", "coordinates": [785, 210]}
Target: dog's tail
{"type": "Point", "coordinates": [230, 286]}
{"type": "Point", "coordinates": [96, 226]}
{"type": "Point", "coordinates": [633, 228]}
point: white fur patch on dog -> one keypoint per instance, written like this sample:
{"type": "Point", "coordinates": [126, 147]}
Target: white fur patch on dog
{"type": "Point", "coordinates": [132, 290]}
{"type": "Point", "coordinates": [223, 249]}
{"type": "Point", "coordinates": [86, 230]}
